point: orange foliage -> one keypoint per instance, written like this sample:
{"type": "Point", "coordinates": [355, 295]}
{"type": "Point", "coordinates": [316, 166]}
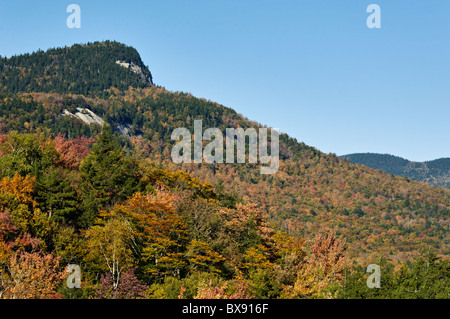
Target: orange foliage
{"type": "Point", "coordinates": [156, 225]}
{"type": "Point", "coordinates": [31, 276]}
{"type": "Point", "coordinates": [238, 218]}
{"type": "Point", "coordinates": [223, 291]}
{"type": "Point", "coordinates": [20, 188]}
{"type": "Point", "coordinates": [324, 265]}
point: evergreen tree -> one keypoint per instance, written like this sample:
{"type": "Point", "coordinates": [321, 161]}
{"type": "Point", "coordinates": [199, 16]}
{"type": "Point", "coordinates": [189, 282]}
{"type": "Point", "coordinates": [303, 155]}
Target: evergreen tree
{"type": "Point", "coordinates": [108, 176]}
{"type": "Point", "coordinates": [57, 197]}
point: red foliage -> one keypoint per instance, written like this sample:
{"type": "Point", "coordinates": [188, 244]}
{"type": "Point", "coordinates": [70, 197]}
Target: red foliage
{"type": "Point", "coordinates": [72, 151]}
{"type": "Point", "coordinates": [11, 237]}
{"type": "Point", "coordinates": [6, 226]}
{"type": "Point", "coordinates": [128, 287]}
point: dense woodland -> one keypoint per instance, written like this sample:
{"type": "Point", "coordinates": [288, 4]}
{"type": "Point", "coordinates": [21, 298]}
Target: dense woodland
{"type": "Point", "coordinates": [82, 69]}
{"type": "Point", "coordinates": [141, 226]}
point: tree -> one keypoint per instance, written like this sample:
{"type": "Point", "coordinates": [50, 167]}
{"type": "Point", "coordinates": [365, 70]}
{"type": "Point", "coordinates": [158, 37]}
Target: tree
{"type": "Point", "coordinates": [31, 275]}
{"type": "Point", "coordinates": [290, 253]}
{"type": "Point", "coordinates": [427, 278]}
{"type": "Point", "coordinates": [248, 224]}
{"type": "Point", "coordinates": [128, 287]}
{"type": "Point", "coordinates": [324, 265]}
{"type": "Point", "coordinates": [72, 151]}
{"type": "Point", "coordinates": [108, 249]}
{"type": "Point", "coordinates": [202, 257]}
{"type": "Point", "coordinates": [25, 154]}
{"type": "Point", "coordinates": [256, 258]}
{"type": "Point", "coordinates": [109, 176]}
{"type": "Point", "coordinates": [237, 290]}
{"type": "Point", "coordinates": [17, 197]}
{"type": "Point", "coordinates": [17, 191]}
{"type": "Point", "coordinates": [58, 197]}
{"type": "Point", "coordinates": [159, 232]}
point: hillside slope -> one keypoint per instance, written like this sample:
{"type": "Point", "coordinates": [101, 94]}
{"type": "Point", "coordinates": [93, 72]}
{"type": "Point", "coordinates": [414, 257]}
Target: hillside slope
{"type": "Point", "coordinates": [377, 212]}
{"type": "Point", "coordinates": [435, 173]}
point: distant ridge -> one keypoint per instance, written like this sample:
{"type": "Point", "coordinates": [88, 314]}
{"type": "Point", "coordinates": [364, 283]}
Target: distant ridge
{"type": "Point", "coordinates": [435, 173]}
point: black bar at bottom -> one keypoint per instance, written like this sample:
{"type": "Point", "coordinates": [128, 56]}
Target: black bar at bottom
{"type": "Point", "coordinates": [278, 309]}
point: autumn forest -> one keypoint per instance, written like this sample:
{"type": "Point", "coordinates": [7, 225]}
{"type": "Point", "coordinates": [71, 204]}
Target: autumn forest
{"type": "Point", "coordinates": [86, 179]}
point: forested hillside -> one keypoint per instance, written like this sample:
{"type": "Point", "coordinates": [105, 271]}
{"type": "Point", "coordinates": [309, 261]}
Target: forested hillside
{"type": "Point", "coordinates": [108, 198]}
{"type": "Point", "coordinates": [435, 173]}
{"type": "Point", "coordinates": [79, 69]}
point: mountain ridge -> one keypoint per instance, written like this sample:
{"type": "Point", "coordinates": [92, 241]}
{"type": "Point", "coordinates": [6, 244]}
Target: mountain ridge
{"type": "Point", "coordinates": [75, 69]}
{"type": "Point", "coordinates": [435, 172]}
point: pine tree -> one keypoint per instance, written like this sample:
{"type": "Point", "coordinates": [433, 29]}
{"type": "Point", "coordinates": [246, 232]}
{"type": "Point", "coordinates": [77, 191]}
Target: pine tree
{"type": "Point", "coordinates": [108, 176]}
{"type": "Point", "coordinates": [57, 197]}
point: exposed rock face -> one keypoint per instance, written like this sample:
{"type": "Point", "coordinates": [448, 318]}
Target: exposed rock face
{"type": "Point", "coordinates": [89, 117]}
{"type": "Point", "coordinates": [136, 69]}
{"type": "Point", "coordinates": [86, 115]}
{"type": "Point", "coordinates": [125, 130]}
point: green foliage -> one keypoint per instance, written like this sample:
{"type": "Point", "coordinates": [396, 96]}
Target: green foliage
{"type": "Point", "coordinates": [25, 154]}
{"type": "Point", "coordinates": [435, 172]}
{"type": "Point", "coordinates": [427, 277]}
{"type": "Point", "coordinates": [263, 285]}
{"type": "Point", "coordinates": [81, 69]}
{"type": "Point", "coordinates": [58, 196]}
{"type": "Point", "coordinates": [108, 176]}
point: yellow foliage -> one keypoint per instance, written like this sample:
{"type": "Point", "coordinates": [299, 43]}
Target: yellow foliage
{"type": "Point", "coordinates": [201, 256]}
{"type": "Point", "coordinates": [20, 188]}
{"type": "Point", "coordinates": [108, 247]}
{"type": "Point", "coordinates": [311, 280]}
{"type": "Point", "coordinates": [324, 265]}
{"type": "Point", "coordinates": [154, 223]}
{"type": "Point", "coordinates": [256, 258]}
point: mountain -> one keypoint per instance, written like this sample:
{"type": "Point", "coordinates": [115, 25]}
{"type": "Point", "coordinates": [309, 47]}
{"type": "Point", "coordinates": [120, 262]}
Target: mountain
{"type": "Point", "coordinates": [74, 90]}
{"type": "Point", "coordinates": [80, 69]}
{"type": "Point", "coordinates": [435, 173]}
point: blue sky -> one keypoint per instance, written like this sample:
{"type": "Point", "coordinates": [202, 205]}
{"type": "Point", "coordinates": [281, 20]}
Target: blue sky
{"type": "Point", "coordinates": [311, 68]}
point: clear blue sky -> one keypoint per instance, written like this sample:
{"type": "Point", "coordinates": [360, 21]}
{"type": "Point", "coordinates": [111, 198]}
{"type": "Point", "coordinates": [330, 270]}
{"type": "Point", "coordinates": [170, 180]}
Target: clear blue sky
{"type": "Point", "coordinates": [309, 67]}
